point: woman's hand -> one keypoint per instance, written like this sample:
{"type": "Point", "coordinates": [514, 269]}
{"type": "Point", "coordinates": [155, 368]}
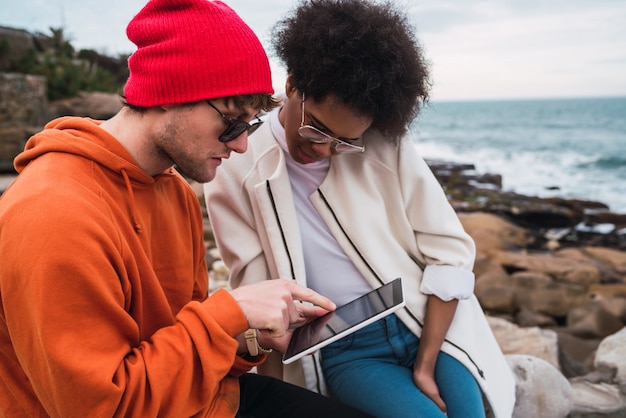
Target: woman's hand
{"type": "Point", "coordinates": [425, 381]}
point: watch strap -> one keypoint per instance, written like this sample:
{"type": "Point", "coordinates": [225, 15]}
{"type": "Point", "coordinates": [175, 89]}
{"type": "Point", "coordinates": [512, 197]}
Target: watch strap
{"type": "Point", "coordinates": [252, 343]}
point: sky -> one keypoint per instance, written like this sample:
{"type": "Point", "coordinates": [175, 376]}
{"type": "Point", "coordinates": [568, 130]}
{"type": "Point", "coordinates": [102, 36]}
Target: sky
{"type": "Point", "coordinates": [477, 50]}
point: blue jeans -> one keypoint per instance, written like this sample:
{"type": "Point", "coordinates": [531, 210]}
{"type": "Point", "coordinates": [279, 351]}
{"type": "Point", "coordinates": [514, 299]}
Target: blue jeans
{"type": "Point", "coordinates": [372, 369]}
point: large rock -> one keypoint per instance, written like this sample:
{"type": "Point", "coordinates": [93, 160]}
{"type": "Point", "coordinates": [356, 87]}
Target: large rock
{"type": "Point", "coordinates": [23, 100]}
{"type": "Point", "coordinates": [541, 391]}
{"type": "Point", "coordinates": [610, 262]}
{"type": "Point", "coordinates": [537, 292]}
{"type": "Point", "coordinates": [612, 258]}
{"type": "Point", "coordinates": [596, 400]}
{"type": "Point", "coordinates": [602, 393]}
{"type": "Point", "coordinates": [597, 319]}
{"type": "Point", "coordinates": [23, 105]}
{"type": "Point", "coordinates": [484, 266]}
{"type": "Point", "coordinates": [562, 269]}
{"type": "Point", "coordinates": [491, 232]}
{"type": "Point", "coordinates": [576, 354]}
{"type": "Point", "coordinates": [535, 342]}
{"type": "Point", "coordinates": [496, 293]}
{"type": "Point", "coordinates": [611, 358]}
{"type": "Point", "coordinates": [608, 291]}
{"type": "Point", "coordinates": [12, 141]}
{"type": "Point", "coordinates": [526, 318]}
{"type": "Point", "coordinates": [95, 105]}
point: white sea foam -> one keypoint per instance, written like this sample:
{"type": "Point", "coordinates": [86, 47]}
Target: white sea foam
{"type": "Point", "coordinates": [538, 150]}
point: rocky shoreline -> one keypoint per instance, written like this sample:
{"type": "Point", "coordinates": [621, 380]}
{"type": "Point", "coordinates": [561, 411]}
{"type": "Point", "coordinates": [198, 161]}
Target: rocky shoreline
{"type": "Point", "coordinates": [552, 222]}
{"type": "Point", "coordinates": [551, 275]}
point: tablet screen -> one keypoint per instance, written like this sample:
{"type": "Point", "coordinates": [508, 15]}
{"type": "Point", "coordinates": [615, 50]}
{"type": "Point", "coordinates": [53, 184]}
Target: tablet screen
{"type": "Point", "coordinates": [344, 320]}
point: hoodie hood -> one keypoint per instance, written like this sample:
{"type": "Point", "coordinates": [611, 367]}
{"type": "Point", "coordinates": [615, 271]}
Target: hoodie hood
{"type": "Point", "coordinates": [82, 137]}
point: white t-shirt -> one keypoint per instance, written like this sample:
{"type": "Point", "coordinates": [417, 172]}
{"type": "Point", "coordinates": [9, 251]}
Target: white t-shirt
{"type": "Point", "coordinates": [329, 271]}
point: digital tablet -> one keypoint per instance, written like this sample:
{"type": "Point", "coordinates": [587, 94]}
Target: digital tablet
{"type": "Point", "coordinates": [345, 320]}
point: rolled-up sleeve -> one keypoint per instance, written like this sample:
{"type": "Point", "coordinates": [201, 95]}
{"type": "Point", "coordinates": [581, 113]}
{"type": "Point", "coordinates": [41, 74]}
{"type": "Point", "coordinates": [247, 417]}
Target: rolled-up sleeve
{"type": "Point", "coordinates": [447, 282]}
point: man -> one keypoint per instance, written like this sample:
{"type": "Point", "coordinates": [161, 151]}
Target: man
{"type": "Point", "coordinates": [103, 284]}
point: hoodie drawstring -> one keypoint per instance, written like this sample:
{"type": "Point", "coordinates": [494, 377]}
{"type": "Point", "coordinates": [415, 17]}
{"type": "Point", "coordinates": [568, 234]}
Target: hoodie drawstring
{"type": "Point", "coordinates": [131, 198]}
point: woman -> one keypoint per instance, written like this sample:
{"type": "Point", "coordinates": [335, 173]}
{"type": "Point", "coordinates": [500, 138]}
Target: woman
{"type": "Point", "coordinates": [332, 194]}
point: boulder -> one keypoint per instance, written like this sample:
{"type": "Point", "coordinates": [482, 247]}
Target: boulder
{"type": "Point", "coordinates": [496, 293]}
{"type": "Point", "coordinates": [602, 393]}
{"type": "Point", "coordinates": [486, 266]}
{"type": "Point", "coordinates": [23, 100]}
{"type": "Point", "coordinates": [611, 358]}
{"type": "Point", "coordinates": [537, 292]}
{"type": "Point", "coordinates": [493, 232]}
{"type": "Point", "coordinates": [540, 389]}
{"type": "Point", "coordinates": [22, 113]}
{"type": "Point", "coordinates": [614, 259]}
{"type": "Point", "coordinates": [596, 400]}
{"type": "Point", "coordinates": [593, 320]}
{"type": "Point", "coordinates": [580, 272]}
{"type": "Point", "coordinates": [535, 342]}
{"type": "Point", "coordinates": [576, 354]}
{"type": "Point", "coordinates": [96, 105]}
{"type": "Point", "coordinates": [527, 318]}
{"type": "Point", "coordinates": [607, 291]}
{"type": "Point", "coordinates": [12, 141]}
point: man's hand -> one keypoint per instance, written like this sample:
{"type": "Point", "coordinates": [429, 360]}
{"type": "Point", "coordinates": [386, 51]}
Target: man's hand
{"type": "Point", "coordinates": [270, 306]}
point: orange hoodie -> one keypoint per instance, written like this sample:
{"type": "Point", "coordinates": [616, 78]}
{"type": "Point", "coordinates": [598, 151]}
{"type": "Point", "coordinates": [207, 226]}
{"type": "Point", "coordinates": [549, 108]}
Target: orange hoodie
{"type": "Point", "coordinates": [103, 284]}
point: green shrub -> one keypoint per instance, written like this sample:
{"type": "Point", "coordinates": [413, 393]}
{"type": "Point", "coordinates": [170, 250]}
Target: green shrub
{"type": "Point", "coordinates": [68, 72]}
{"type": "Point", "coordinates": [4, 47]}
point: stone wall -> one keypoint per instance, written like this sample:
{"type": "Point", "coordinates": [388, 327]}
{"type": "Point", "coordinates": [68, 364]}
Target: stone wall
{"type": "Point", "coordinates": [14, 45]}
{"type": "Point", "coordinates": [23, 105]}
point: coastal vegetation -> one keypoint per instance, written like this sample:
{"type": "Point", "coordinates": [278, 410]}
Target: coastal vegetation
{"type": "Point", "coordinates": [66, 70]}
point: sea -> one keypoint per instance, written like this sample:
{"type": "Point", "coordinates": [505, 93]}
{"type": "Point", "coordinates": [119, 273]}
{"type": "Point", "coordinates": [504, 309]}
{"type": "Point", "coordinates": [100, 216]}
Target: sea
{"type": "Point", "coordinates": [569, 148]}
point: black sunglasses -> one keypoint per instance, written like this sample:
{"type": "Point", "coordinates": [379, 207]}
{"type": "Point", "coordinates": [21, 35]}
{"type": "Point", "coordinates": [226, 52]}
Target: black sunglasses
{"type": "Point", "coordinates": [235, 127]}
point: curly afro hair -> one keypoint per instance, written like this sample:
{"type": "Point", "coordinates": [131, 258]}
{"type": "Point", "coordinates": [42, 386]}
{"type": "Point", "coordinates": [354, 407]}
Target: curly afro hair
{"type": "Point", "coordinates": [362, 52]}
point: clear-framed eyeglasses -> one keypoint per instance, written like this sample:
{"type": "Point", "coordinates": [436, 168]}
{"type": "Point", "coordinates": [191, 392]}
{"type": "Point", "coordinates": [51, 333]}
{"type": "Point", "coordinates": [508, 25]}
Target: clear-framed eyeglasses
{"type": "Point", "coordinates": [313, 134]}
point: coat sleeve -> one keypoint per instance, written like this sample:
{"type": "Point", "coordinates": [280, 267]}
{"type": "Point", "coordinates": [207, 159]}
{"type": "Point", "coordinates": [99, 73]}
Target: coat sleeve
{"type": "Point", "coordinates": [447, 251]}
{"type": "Point", "coordinates": [235, 229]}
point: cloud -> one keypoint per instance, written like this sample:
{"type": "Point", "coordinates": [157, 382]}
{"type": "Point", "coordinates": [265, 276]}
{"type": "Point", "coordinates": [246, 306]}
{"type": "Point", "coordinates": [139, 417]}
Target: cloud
{"type": "Point", "coordinates": [565, 50]}
{"type": "Point", "coordinates": [478, 49]}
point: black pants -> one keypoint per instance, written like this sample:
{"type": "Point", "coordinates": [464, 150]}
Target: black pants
{"type": "Point", "coordinates": [266, 397]}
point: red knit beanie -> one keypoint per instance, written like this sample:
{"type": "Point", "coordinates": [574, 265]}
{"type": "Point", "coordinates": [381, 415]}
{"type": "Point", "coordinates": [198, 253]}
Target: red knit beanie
{"type": "Point", "coordinates": [192, 50]}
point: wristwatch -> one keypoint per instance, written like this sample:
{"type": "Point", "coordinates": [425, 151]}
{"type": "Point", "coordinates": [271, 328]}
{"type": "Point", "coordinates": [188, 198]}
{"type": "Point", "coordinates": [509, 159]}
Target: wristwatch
{"type": "Point", "coordinates": [253, 343]}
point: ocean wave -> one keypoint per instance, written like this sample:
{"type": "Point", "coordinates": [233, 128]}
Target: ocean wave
{"type": "Point", "coordinates": [605, 163]}
{"type": "Point", "coordinates": [562, 148]}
